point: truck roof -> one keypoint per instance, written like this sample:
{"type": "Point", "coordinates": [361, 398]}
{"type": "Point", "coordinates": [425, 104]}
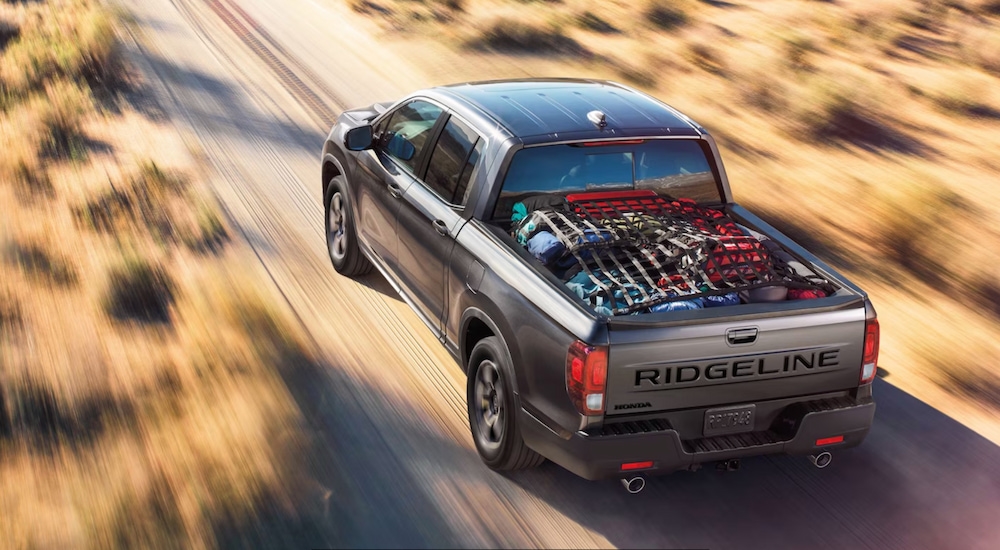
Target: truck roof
{"type": "Point", "coordinates": [559, 108]}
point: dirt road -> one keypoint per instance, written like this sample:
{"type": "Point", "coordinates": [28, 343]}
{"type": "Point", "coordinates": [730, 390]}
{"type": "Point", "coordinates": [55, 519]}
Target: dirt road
{"type": "Point", "coordinates": [256, 84]}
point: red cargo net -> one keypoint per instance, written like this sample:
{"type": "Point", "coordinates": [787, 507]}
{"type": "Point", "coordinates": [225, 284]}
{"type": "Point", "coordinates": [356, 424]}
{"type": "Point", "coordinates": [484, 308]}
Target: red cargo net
{"type": "Point", "coordinates": [652, 250]}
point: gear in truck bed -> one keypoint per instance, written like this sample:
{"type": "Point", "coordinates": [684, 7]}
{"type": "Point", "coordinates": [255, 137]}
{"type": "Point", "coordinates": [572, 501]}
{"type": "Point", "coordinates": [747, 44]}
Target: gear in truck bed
{"type": "Point", "coordinates": [631, 252]}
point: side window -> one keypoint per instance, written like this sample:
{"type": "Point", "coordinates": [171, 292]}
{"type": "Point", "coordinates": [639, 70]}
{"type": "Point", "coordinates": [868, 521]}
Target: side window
{"type": "Point", "coordinates": [469, 174]}
{"type": "Point", "coordinates": [405, 132]}
{"type": "Point", "coordinates": [452, 162]}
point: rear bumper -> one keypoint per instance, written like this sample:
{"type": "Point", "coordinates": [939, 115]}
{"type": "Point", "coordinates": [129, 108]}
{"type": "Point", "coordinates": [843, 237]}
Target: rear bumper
{"type": "Point", "coordinates": [599, 456]}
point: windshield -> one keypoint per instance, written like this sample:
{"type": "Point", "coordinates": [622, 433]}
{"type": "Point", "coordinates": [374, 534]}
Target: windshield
{"type": "Point", "coordinates": [673, 168]}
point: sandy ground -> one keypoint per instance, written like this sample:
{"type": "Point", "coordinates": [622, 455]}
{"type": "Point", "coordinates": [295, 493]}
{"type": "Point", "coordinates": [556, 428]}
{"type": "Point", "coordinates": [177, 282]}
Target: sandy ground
{"type": "Point", "coordinates": [386, 400]}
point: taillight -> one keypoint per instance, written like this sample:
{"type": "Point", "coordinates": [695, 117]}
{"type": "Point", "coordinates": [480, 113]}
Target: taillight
{"type": "Point", "coordinates": [586, 375]}
{"type": "Point", "coordinates": [869, 365]}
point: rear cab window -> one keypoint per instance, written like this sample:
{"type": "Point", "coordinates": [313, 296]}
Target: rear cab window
{"type": "Point", "coordinates": [672, 168]}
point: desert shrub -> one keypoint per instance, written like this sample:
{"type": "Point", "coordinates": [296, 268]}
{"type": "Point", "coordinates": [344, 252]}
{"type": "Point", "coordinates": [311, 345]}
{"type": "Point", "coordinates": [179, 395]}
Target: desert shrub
{"type": "Point", "coordinates": [704, 56]}
{"type": "Point", "coordinates": [980, 46]}
{"type": "Point", "coordinates": [590, 21]}
{"type": "Point", "coordinates": [72, 41]}
{"type": "Point", "coordinates": [876, 26]}
{"type": "Point", "coordinates": [100, 61]}
{"type": "Point", "coordinates": [516, 36]}
{"type": "Point", "coordinates": [928, 15]}
{"type": "Point", "coordinates": [646, 78]}
{"type": "Point", "coordinates": [141, 203]}
{"type": "Point", "coordinates": [757, 79]}
{"type": "Point", "coordinates": [797, 49]}
{"type": "Point", "coordinates": [30, 178]}
{"type": "Point", "coordinates": [849, 107]}
{"type": "Point", "coordinates": [991, 7]}
{"type": "Point", "coordinates": [666, 14]}
{"type": "Point", "coordinates": [961, 94]}
{"type": "Point", "coordinates": [37, 262]}
{"type": "Point", "coordinates": [911, 224]}
{"type": "Point", "coordinates": [139, 291]}
{"type": "Point", "coordinates": [453, 5]}
{"type": "Point", "coordinates": [984, 7]}
{"type": "Point", "coordinates": [158, 181]}
{"type": "Point", "coordinates": [10, 313]}
{"type": "Point", "coordinates": [8, 32]}
{"type": "Point", "coordinates": [61, 116]}
{"type": "Point", "coordinates": [209, 234]}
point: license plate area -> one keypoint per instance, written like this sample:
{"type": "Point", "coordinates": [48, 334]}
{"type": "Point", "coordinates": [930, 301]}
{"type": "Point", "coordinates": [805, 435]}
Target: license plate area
{"type": "Point", "coordinates": [729, 420]}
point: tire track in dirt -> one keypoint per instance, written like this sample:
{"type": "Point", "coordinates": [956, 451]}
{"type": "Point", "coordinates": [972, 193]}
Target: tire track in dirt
{"type": "Point", "coordinates": [281, 70]}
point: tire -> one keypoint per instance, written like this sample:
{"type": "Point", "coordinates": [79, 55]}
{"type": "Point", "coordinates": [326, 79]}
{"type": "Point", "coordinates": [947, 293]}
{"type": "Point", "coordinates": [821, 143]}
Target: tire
{"type": "Point", "coordinates": [341, 234]}
{"type": "Point", "coordinates": [492, 409]}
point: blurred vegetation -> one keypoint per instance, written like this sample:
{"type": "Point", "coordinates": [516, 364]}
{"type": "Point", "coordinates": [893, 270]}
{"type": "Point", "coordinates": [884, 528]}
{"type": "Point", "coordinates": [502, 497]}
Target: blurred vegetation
{"type": "Point", "coordinates": [140, 291]}
{"type": "Point", "coordinates": [518, 35]}
{"type": "Point", "coordinates": [37, 262]}
{"type": "Point", "coordinates": [139, 394]}
{"type": "Point", "coordinates": [666, 14]}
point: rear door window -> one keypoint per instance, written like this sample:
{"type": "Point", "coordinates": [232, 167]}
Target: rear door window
{"type": "Point", "coordinates": [453, 162]}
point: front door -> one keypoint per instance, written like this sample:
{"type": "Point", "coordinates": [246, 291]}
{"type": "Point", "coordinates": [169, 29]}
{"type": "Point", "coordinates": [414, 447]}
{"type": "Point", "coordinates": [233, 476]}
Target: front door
{"type": "Point", "coordinates": [387, 171]}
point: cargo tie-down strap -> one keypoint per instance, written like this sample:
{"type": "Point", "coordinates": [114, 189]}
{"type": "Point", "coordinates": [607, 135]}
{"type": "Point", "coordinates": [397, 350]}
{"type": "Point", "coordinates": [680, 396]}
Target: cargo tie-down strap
{"type": "Point", "coordinates": [641, 250]}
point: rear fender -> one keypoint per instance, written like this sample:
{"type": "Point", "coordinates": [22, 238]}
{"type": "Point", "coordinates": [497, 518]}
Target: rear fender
{"type": "Point", "coordinates": [487, 312]}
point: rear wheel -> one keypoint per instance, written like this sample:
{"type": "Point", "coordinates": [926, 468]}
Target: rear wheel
{"type": "Point", "coordinates": [341, 234]}
{"type": "Point", "coordinates": [492, 409]}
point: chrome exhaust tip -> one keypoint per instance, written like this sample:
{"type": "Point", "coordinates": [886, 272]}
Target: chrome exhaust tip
{"type": "Point", "coordinates": [634, 485]}
{"type": "Point", "coordinates": [821, 460]}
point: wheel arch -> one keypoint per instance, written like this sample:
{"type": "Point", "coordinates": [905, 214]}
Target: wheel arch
{"type": "Point", "coordinates": [332, 167]}
{"type": "Point", "coordinates": [478, 324]}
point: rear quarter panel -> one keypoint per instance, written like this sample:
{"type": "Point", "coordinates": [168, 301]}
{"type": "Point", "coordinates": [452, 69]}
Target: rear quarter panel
{"type": "Point", "coordinates": [536, 321]}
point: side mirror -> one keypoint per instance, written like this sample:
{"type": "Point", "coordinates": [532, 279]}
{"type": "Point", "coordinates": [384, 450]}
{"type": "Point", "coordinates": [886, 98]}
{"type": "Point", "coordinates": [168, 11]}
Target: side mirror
{"type": "Point", "coordinates": [358, 139]}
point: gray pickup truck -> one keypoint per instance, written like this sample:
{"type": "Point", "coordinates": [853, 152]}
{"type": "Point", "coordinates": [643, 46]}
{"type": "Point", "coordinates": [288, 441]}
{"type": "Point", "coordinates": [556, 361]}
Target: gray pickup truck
{"type": "Point", "coordinates": [576, 246]}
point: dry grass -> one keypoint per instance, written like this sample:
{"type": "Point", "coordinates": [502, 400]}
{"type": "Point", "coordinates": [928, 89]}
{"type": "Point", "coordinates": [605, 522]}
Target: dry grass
{"type": "Point", "coordinates": [140, 402]}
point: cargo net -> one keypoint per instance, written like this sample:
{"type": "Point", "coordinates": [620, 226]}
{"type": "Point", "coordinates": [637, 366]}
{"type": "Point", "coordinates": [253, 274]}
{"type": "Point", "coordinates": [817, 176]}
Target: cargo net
{"type": "Point", "coordinates": [635, 252]}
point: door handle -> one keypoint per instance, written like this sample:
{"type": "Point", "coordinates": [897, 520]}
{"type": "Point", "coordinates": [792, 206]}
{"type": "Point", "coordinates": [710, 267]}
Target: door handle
{"type": "Point", "coordinates": [740, 336]}
{"type": "Point", "coordinates": [395, 191]}
{"type": "Point", "coordinates": [440, 227]}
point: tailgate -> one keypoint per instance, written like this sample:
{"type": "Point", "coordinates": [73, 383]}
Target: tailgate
{"type": "Point", "coordinates": [733, 360]}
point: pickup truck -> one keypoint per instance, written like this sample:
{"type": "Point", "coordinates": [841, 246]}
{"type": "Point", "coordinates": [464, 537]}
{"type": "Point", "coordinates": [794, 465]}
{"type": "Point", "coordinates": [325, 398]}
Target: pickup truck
{"type": "Point", "coordinates": [576, 247]}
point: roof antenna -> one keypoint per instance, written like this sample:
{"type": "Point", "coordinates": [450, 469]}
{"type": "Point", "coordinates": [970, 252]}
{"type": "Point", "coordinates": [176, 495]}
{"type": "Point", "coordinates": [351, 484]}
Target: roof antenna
{"type": "Point", "coordinates": [597, 118]}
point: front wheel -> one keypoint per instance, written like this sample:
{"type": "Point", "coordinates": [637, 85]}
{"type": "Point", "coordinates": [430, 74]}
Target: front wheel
{"type": "Point", "coordinates": [341, 231]}
{"type": "Point", "coordinates": [492, 409]}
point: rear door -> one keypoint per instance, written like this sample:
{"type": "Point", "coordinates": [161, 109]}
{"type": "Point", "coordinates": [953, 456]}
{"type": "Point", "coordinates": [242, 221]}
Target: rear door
{"type": "Point", "coordinates": [432, 213]}
{"type": "Point", "coordinates": [388, 170]}
{"type": "Point", "coordinates": [734, 362]}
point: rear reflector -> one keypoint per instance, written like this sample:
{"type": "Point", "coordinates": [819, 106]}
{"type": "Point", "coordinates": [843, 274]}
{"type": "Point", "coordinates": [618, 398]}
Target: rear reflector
{"type": "Point", "coordinates": [829, 440]}
{"type": "Point", "coordinates": [637, 465]}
